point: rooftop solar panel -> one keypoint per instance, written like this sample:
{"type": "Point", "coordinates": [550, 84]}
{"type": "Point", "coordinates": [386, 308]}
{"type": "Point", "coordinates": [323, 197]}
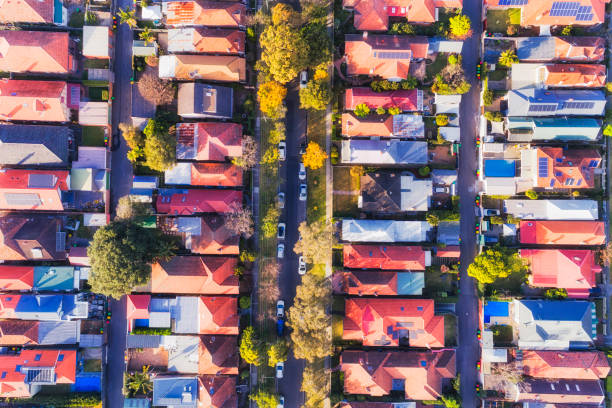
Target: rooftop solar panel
{"type": "Point", "coordinates": [543, 167]}
{"type": "Point", "coordinates": [512, 2]}
{"type": "Point", "coordinates": [564, 9]}
{"type": "Point", "coordinates": [542, 107]}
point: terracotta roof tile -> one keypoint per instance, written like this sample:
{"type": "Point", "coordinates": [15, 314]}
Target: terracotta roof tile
{"type": "Point", "coordinates": [18, 332]}
{"type": "Point", "coordinates": [205, 13]}
{"type": "Point", "coordinates": [189, 202]}
{"type": "Point", "coordinates": [576, 75]}
{"type": "Point", "coordinates": [217, 392]}
{"type": "Point", "coordinates": [562, 232]}
{"type": "Point", "coordinates": [216, 175]}
{"type": "Point", "coordinates": [212, 141]}
{"type": "Point", "coordinates": [218, 315]}
{"type": "Point", "coordinates": [586, 365]}
{"type": "Point", "coordinates": [195, 275]}
{"type": "Point", "coordinates": [373, 125]}
{"type": "Point", "coordinates": [218, 355]}
{"type": "Point", "coordinates": [27, 11]}
{"type": "Point", "coordinates": [29, 51]}
{"type": "Point", "coordinates": [16, 278]}
{"type": "Point", "coordinates": [406, 100]}
{"type": "Point", "coordinates": [43, 101]}
{"type": "Point", "coordinates": [384, 257]}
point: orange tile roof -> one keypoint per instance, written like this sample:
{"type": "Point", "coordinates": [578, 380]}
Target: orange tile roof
{"type": "Point", "coordinates": [27, 11]}
{"type": "Point", "coordinates": [217, 392]}
{"type": "Point", "coordinates": [580, 48]}
{"type": "Point", "coordinates": [214, 141]}
{"type": "Point", "coordinates": [372, 372]}
{"type": "Point", "coordinates": [379, 322]}
{"type": "Point", "coordinates": [195, 275]}
{"type": "Point", "coordinates": [538, 12]}
{"type": "Point", "coordinates": [29, 51]}
{"type": "Point", "coordinates": [563, 232]}
{"type": "Point", "coordinates": [190, 202]}
{"type": "Point", "coordinates": [376, 283]}
{"type": "Point", "coordinates": [43, 101]}
{"type": "Point", "coordinates": [568, 168]}
{"type": "Point", "coordinates": [405, 99]}
{"type": "Point", "coordinates": [18, 333]}
{"type": "Point", "coordinates": [576, 75]}
{"type": "Point", "coordinates": [218, 355]}
{"type": "Point", "coordinates": [215, 238]}
{"type": "Point", "coordinates": [216, 175]}
{"type": "Point", "coordinates": [44, 187]}
{"type": "Point", "coordinates": [14, 277]}
{"type": "Point", "coordinates": [373, 125]}
{"type": "Point", "coordinates": [205, 13]}
{"type": "Point", "coordinates": [225, 68]}
{"type": "Point", "coordinates": [384, 257]}
{"type": "Point", "coordinates": [586, 365]}
{"type": "Point", "coordinates": [219, 41]}
{"type": "Point", "coordinates": [218, 315]}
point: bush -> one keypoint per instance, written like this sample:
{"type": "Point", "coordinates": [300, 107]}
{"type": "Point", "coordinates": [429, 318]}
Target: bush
{"type": "Point", "coordinates": [609, 87]}
{"type": "Point", "coordinates": [532, 195]}
{"type": "Point", "coordinates": [607, 130]}
{"type": "Point", "coordinates": [424, 171]}
{"type": "Point", "coordinates": [507, 58]}
{"type": "Point", "coordinates": [487, 97]}
{"type": "Point", "coordinates": [511, 30]}
{"type": "Point", "coordinates": [152, 330]}
{"type": "Point", "coordinates": [460, 26]}
{"type": "Point", "coordinates": [441, 120]}
{"type": "Point", "coordinates": [380, 110]}
{"type": "Point", "coordinates": [394, 110]}
{"type": "Point", "coordinates": [72, 400]}
{"type": "Point", "coordinates": [555, 293]}
{"type": "Point", "coordinates": [567, 30]}
{"type": "Point", "coordinates": [362, 110]}
{"type": "Point", "coordinates": [245, 302]}
{"type": "Point", "coordinates": [382, 85]}
{"type": "Point", "coordinates": [496, 220]}
{"type": "Point", "coordinates": [454, 59]}
{"type": "Point", "coordinates": [334, 154]}
{"type": "Point", "coordinates": [575, 193]}
{"type": "Point", "coordinates": [494, 116]}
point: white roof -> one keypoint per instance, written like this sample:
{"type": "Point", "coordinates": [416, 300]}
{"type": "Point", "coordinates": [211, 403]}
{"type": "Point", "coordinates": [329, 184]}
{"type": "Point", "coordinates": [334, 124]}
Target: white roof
{"type": "Point", "coordinates": [415, 194]}
{"type": "Point", "coordinates": [167, 66]}
{"type": "Point", "coordinates": [181, 39]}
{"type": "Point", "coordinates": [96, 41]}
{"type": "Point", "coordinates": [527, 75]}
{"type": "Point", "coordinates": [494, 355]}
{"type": "Point", "coordinates": [94, 220]}
{"type": "Point", "coordinates": [509, 230]}
{"type": "Point", "coordinates": [152, 13]}
{"type": "Point", "coordinates": [452, 134]}
{"type": "Point", "coordinates": [552, 209]}
{"type": "Point", "coordinates": [448, 99]}
{"type": "Point", "coordinates": [93, 113]}
{"type": "Point", "coordinates": [384, 230]}
{"type": "Point", "coordinates": [500, 185]}
{"type": "Point", "coordinates": [447, 108]}
{"type": "Point", "coordinates": [179, 174]}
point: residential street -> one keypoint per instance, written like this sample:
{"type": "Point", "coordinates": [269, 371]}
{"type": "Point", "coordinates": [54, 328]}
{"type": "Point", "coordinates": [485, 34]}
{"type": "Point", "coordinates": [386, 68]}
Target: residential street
{"type": "Point", "coordinates": [468, 352]}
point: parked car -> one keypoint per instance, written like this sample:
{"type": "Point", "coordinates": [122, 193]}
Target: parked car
{"type": "Point", "coordinates": [302, 172]}
{"type": "Point", "coordinates": [302, 150]}
{"type": "Point", "coordinates": [281, 199]}
{"type": "Point", "coordinates": [281, 231]}
{"type": "Point", "coordinates": [280, 251]}
{"type": "Point", "coordinates": [301, 266]}
{"type": "Point", "coordinates": [280, 367]}
{"type": "Point", "coordinates": [281, 402]}
{"type": "Point", "coordinates": [303, 79]}
{"type": "Point", "coordinates": [303, 188]}
{"type": "Point", "coordinates": [280, 327]}
{"type": "Point", "coordinates": [280, 309]}
{"type": "Point", "coordinates": [490, 212]}
{"type": "Point", "coordinates": [282, 151]}
{"type": "Point", "coordinates": [441, 190]}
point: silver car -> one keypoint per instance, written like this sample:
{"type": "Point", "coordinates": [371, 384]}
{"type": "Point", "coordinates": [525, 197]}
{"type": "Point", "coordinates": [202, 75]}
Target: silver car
{"type": "Point", "coordinates": [281, 200]}
{"type": "Point", "coordinates": [301, 266]}
{"type": "Point", "coordinates": [282, 151]}
{"type": "Point", "coordinates": [302, 172]}
{"type": "Point", "coordinates": [280, 251]}
{"type": "Point", "coordinates": [303, 189]}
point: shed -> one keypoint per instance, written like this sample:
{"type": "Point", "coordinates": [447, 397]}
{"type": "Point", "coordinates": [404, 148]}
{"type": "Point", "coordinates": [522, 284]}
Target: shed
{"type": "Point", "coordinates": [494, 355]}
{"type": "Point", "coordinates": [144, 182]}
{"type": "Point", "coordinates": [96, 42]}
{"type": "Point", "coordinates": [91, 157]}
{"type": "Point", "coordinates": [94, 114]}
{"type": "Point", "coordinates": [94, 220]}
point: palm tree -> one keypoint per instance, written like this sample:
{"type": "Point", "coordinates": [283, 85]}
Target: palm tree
{"type": "Point", "coordinates": [127, 16]}
{"type": "Point", "coordinates": [139, 382]}
{"type": "Point", "coordinates": [507, 58]}
{"type": "Point", "coordinates": [146, 35]}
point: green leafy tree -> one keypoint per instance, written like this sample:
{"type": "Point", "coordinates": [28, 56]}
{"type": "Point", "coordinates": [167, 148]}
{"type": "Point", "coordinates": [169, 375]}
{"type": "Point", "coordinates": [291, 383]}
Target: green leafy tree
{"type": "Point", "coordinates": [127, 16]}
{"type": "Point", "coordinates": [496, 263]}
{"type": "Point", "coordinates": [315, 156]}
{"type": "Point", "coordinates": [270, 156]}
{"type": "Point", "coordinates": [315, 96]}
{"type": "Point", "coordinates": [160, 151]}
{"type": "Point", "coordinates": [269, 223]}
{"type": "Point", "coordinates": [265, 399]}
{"type": "Point", "coordinates": [250, 347]}
{"type": "Point", "coordinates": [284, 52]}
{"type": "Point", "coordinates": [424, 171]}
{"type": "Point", "coordinates": [315, 385]}
{"type": "Point", "coordinates": [121, 253]}
{"type": "Point", "coordinates": [283, 13]}
{"type": "Point", "coordinates": [146, 35]}
{"type": "Point", "coordinates": [441, 120]}
{"type": "Point", "coordinates": [451, 401]}
{"type": "Point", "coordinates": [277, 353]}
{"type": "Point", "coordinates": [138, 383]}
{"type": "Point", "coordinates": [460, 26]}
{"type": "Point", "coordinates": [409, 83]}
{"type": "Point", "coordinates": [271, 95]}
{"type": "Point", "coordinates": [129, 209]}
{"type": "Point", "coordinates": [133, 137]}
{"type": "Point", "coordinates": [487, 97]}
{"type": "Point", "coordinates": [532, 195]}
{"type": "Point", "coordinates": [432, 219]}
{"type": "Point", "coordinates": [316, 242]}
{"type": "Point", "coordinates": [507, 58]}
{"type": "Point", "coordinates": [607, 131]}
{"type": "Point", "coordinates": [494, 116]}
{"type": "Point", "coordinates": [319, 44]}
{"type": "Point", "coordinates": [362, 110]}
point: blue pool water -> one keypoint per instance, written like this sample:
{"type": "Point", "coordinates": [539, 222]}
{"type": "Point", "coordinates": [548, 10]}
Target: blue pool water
{"type": "Point", "coordinates": [499, 168]}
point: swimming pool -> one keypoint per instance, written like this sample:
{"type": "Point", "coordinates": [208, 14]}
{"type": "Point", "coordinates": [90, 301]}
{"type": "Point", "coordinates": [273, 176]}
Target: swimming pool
{"type": "Point", "coordinates": [499, 168]}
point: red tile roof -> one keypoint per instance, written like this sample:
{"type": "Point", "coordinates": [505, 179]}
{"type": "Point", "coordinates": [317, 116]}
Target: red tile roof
{"type": "Point", "coordinates": [385, 257]}
{"type": "Point", "coordinates": [379, 322]}
{"type": "Point", "coordinates": [373, 372]}
{"type": "Point", "coordinates": [18, 332]}
{"type": "Point", "coordinates": [406, 100]}
{"type": "Point", "coordinates": [218, 355]}
{"type": "Point", "coordinates": [195, 275]}
{"type": "Point", "coordinates": [376, 283]}
{"type": "Point", "coordinates": [586, 49]}
{"type": "Point", "coordinates": [218, 40]}
{"type": "Point", "coordinates": [568, 168]}
{"type": "Point", "coordinates": [29, 51]}
{"type": "Point", "coordinates": [573, 270]}
{"type": "Point", "coordinates": [212, 141]}
{"type": "Point", "coordinates": [138, 306]}
{"type": "Point", "coordinates": [27, 11]}
{"type": "Point", "coordinates": [586, 365]}
{"type": "Point", "coordinates": [450, 251]}
{"type": "Point", "coordinates": [218, 315]}
{"type": "Point", "coordinates": [43, 101]}
{"type": "Point", "coordinates": [217, 392]}
{"type": "Point", "coordinates": [576, 75]}
{"type": "Point", "coordinates": [538, 12]}
{"type": "Point", "coordinates": [30, 237]}
{"type": "Point", "coordinates": [198, 201]}
{"type": "Point", "coordinates": [14, 277]}
{"type": "Point", "coordinates": [215, 238]}
{"type": "Point", "coordinates": [562, 232]}
{"type": "Point", "coordinates": [32, 189]}
{"type": "Point", "coordinates": [8, 303]}
{"type": "Point", "coordinates": [216, 175]}
{"type": "Point", "coordinates": [205, 13]}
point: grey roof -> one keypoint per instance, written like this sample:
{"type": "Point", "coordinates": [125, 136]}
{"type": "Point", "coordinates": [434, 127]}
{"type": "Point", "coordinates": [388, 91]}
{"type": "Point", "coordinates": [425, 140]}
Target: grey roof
{"type": "Point", "coordinates": [28, 145]}
{"type": "Point", "coordinates": [143, 341]}
{"type": "Point", "coordinates": [136, 403]}
{"type": "Point", "coordinates": [389, 192]}
{"type": "Point", "coordinates": [384, 152]}
{"type": "Point", "coordinates": [180, 174]}
{"type": "Point", "coordinates": [91, 340]}
{"type": "Point", "coordinates": [448, 232]}
{"type": "Point", "coordinates": [445, 177]}
{"type": "Point", "coordinates": [141, 108]}
{"type": "Point", "coordinates": [58, 332]}
{"type": "Point", "coordinates": [560, 128]}
{"type": "Point", "coordinates": [384, 231]}
{"type": "Point", "coordinates": [175, 391]}
{"type": "Point", "coordinates": [185, 315]}
{"type": "Point", "coordinates": [552, 209]}
{"type": "Point", "coordinates": [542, 387]}
{"type": "Point", "coordinates": [540, 102]}
{"type": "Point", "coordinates": [204, 100]}
{"type": "Point", "coordinates": [438, 44]}
{"type": "Point", "coordinates": [183, 353]}
{"type": "Point", "coordinates": [535, 48]}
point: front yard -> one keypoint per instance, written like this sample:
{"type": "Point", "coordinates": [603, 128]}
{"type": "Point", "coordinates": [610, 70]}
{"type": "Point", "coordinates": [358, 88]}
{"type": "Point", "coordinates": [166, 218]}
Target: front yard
{"type": "Point", "coordinates": [347, 183]}
{"type": "Point", "coordinates": [499, 20]}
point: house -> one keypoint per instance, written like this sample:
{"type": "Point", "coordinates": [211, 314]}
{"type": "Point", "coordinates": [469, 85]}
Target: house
{"type": "Point", "coordinates": [204, 13]}
{"type": "Point", "coordinates": [410, 100]}
{"type": "Point", "coordinates": [197, 100]}
{"type": "Point", "coordinates": [551, 13]}
{"type": "Point", "coordinates": [384, 152]}
{"type": "Point", "coordinates": [204, 174]}
{"type": "Point", "coordinates": [554, 324]}
{"type": "Point", "coordinates": [16, 278]}
{"type": "Point", "coordinates": [562, 129]}
{"type": "Point", "coordinates": [568, 49]}
{"type": "Point", "coordinates": [29, 51]}
{"type": "Point", "coordinates": [398, 257]}
{"type": "Point", "coordinates": [218, 355]}
{"type": "Point", "coordinates": [53, 308]}
{"type": "Point", "coordinates": [206, 235]}
{"type": "Point", "coordinates": [38, 101]}
{"type": "Point", "coordinates": [354, 230]}
{"type": "Point", "coordinates": [563, 232]}
{"type": "Point", "coordinates": [552, 209]}
{"type": "Point", "coordinates": [33, 12]}
{"type": "Point", "coordinates": [219, 41]}
{"type": "Point", "coordinates": [445, 178]}
{"type": "Point", "coordinates": [217, 391]}
{"type": "Point", "coordinates": [33, 189]}
{"type": "Point", "coordinates": [34, 145]}
{"type": "Point", "coordinates": [574, 270]}
{"type": "Point", "coordinates": [385, 56]}
{"type": "Point", "coordinates": [25, 372]}
{"type": "Point", "coordinates": [582, 393]}
{"type": "Point", "coordinates": [32, 237]}
{"type": "Point", "coordinates": [96, 42]}
{"type": "Point", "coordinates": [569, 365]}
{"type": "Point", "coordinates": [196, 275]}
{"type": "Point", "coordinates": [43, 333]}
{"type": "Point", "coordinates": [404, 125]}
{"type": "Point", "coordinates": [190, 202]}
{"type": "Point", "coordinates": [221, 68]}
{"type": "Point", "coordinates": [374, 15]}
{"type": "Point", "coordinates": [447, 104]}
{"type": "Point", "coordinates": [208, 141]}
{"type": "Point", "coordinates": [142, 48]}
{"type": "Point", "coordinates": [379, 283]}
{"type": "Point", "coordinates": [558, 75]}
{"type": "Point", "coordinates": [393, 322]}
{"type": "Point", "coordinates": [421, 375]}
{"type": "Point", "coordinates": [174, 392]}
{"type": "Point", "coordinates": [393, 192]}
{"type": "Point", "coordinates": [449, 233]}
{"type": "Point", "coordinates": [541, 102]}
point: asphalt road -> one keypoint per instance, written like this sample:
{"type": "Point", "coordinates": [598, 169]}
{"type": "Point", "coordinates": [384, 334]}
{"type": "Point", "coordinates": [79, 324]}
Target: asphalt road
{"type": "Point", "coordinates": [121, 180]}
{"type": "Point", "coordinates": [468, 351]}
{"type": "Point", "coordinates": [293, 214]}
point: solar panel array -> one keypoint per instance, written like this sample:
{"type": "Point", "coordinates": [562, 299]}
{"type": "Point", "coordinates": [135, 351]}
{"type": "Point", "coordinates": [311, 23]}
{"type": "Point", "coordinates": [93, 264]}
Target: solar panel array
{"type": "Point", "coordinates": [393, 55]}
{"type": "Point", "coordinates": [578, 105]}
{"type": "Point", "coordinates": [585, 13]}
{"type": "Point", "coordinates": [564, 9]}
{"type": "Point", "coordinates": [543, 167]}
{"type": "Point", "coordinates": [549, 107]}
{"type": "Point", "coordinates": [512, 2]}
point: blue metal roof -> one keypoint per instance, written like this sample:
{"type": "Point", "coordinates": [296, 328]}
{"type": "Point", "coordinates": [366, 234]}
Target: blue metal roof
{"type": "Point", "coordinates": [560, 310]}
{"type": "Point", "coordinates": [410, 283]}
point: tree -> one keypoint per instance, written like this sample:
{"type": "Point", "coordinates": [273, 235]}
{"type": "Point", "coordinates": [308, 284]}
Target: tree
{"type": "Point", "coordinates": [460, 26]}
{"type": "Point", "coordinates": [567, 30]}
{"type": "Point", "coordinates": [128, 209]}
{"type": "Point", "coordinates": [607, 130]}
{"type": "Point", "coordinates": [284, 52]}
{"type": "Point", "coordinates": [606, 254]}
{"type": "Point", "coordinates": [532, 195]}
{"type": "Point", "coordinates": [270, 156]}
{"type": "Point", "coordinates": [269, 223]}
{"type": "Point", "coordinates": [264, 399]}
{"type": "Point", "coordinates": [315, 385]}
{"type": "Point", "coordinates": [146, 35]}
{"type": "Point", "coordinates": [496, 263]}
{"type": "Point", "coordinates": [248, 159]}
{"type": "Point", "coordinates": [555, 293]}
{"type": "Point", "coordinates": [362, 110]}
{"type": "Point", "coordinates": [240, 221]}
{"type": "Point", "coordinates": [159, 145]}
{"type": "Point", "coordinates": [277, 353]}
{"type": "Point", "coordinates": [314, 158]}
{"type": "Point", "coordinates": [271, 95]}
{"type": "Point", "coordinates": [487, 97]}
{"type": "Point", "coordinates": [283, 13]}
{"type": "Point", "coordinates": [131, 134]}
{"type": "Point", "coordinates": [319, 44]}
{"type": "Point", "coordinates": [250, 347]}
{"type": "Point", "coordinates": [316, 242]}
{"type": "Point", "coordinates": [494, 116]}
{"type": "Point", "coordinates": [138, 383]}
{"type": "Point", "coordinates": [451, 401]}
{"type": "Point", "coordinates": [121, 253]}
{"type": "Point", "coordinates": [315, 96]}
{"type": "Point", "coordinates": [278, 133]}
{"type": "Point", "coordinates": [432, 219]}
{"type": "Point", "coordinates": [127, 16]}
{"type": "Point", "coordinates": [441, 120]}
{"type": "Point", "coordinates": [155, 90]}
{"type": "Point", "coordinates": [424, 171]}
{"type": "Point", "coordinates": [507, 58]}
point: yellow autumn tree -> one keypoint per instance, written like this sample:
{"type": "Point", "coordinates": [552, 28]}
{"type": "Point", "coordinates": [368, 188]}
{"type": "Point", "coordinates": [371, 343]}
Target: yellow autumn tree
{"type": "Point", "coordinates": [314, 158]}
{"type": "Point", "coordinates": [271, 95]}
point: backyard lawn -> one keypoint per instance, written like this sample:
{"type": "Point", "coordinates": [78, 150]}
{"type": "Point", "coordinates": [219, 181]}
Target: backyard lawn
{"type": "Point", "coordinates": [499, 20]}
{"type": "Point", "coordinates": [434, 68]}
{"type": "Point", "coordinates": [347, 182]}
{"type": "Point", "coordinates": [502, 335]}
{"type": "Point", "coordinates": [92, 136]}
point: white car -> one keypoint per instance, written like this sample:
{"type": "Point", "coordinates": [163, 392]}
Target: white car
{"type": "Point", "coordinates": [303, 188]}
{"type": "Point", "coordinates": [302, 172]}
{"type": "Point", "coordinates": [441, 190]}
{"type": "Point", "coordinates": [303, 79]}
{"type": "Point", "coordinates": [280, 367]}
{"type": "Point", "coordinates": [280, 251]}
{"type": "Point", "coordinates": [280, 309]}
{"type": "Point", "coordinates": [281, 230]}
{"type": "Point", "coordinates": [282, 151]}
{"type": "Point", "coordinates": [301, 266]}
{"type": "Point", "coordinates": [281, 200]}
{"type": "Point", "coordinates": [281, 402]}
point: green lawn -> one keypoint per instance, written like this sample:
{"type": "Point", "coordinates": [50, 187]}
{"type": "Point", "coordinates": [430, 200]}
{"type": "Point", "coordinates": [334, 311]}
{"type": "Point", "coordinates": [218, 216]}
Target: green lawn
{"type": "Point", "coordinates": [95, 63]}
{"type": "Point", "coordinates": [346, 179]}
{"type": "Point", "coordinates": [450, 330]}
{"type": "Point", "coordinates": [434, 68]}
{"type": "Point", "coordinates": [436, 282]}
{"type": "Point", "coordinates": [315, 205]}
{"type": "Point", "coordinates": [92, 136]}
{"type": "Point", "coordinates": [498, 74]}
{"type": "Point", "coordinates": [499, 20]}
{"type": "Point", "coordinates": [502, 335]}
